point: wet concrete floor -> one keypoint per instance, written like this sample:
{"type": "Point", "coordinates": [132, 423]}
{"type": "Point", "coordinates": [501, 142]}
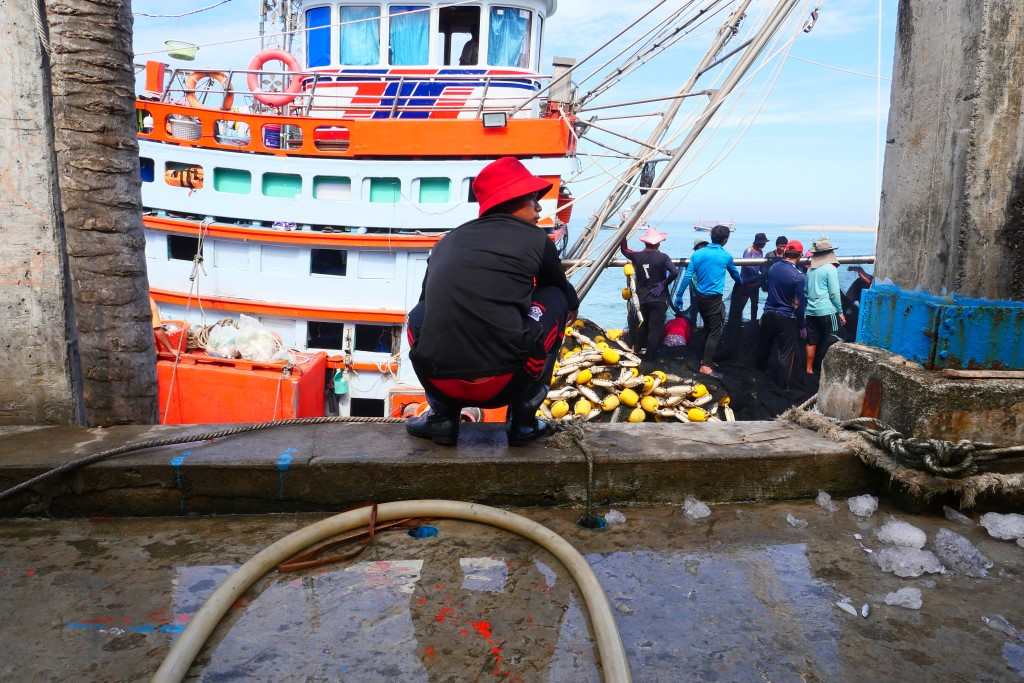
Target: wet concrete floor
{"type": "Point", "coordinates": [741, 596]}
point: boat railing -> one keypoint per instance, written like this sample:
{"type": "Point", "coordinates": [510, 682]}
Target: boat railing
{"type": "Point", "coordinates": [403, 94]}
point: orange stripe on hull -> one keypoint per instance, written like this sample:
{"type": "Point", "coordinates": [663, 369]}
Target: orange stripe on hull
{"type": "Point", "coordinates": [280, 310]}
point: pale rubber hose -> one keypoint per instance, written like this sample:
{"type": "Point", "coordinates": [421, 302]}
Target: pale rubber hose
{"type": "Point", "coordinates": [609, 645]}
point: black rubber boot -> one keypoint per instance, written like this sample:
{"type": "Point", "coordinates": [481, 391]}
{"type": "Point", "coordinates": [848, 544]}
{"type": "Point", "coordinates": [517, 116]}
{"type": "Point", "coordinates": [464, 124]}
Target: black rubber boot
{"type": "Point", "coordinates": [442, 429]}
{"type": "Point", "coordinates": [523, 425]}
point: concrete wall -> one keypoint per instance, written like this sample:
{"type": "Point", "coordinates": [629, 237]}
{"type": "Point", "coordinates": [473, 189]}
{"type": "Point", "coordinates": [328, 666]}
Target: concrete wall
{"type": "Point", "coordinates": [35, 378]}
{"type": "Point", "coordinates": [952, 217]}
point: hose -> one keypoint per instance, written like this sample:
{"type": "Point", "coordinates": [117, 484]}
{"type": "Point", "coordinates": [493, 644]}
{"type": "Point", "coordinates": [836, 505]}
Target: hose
{"type": "Point", "coordinates": [609, 645]}
{"type": "Point", "coordinates": [186, 438]}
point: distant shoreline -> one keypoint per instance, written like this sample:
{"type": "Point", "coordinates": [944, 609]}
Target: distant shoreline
{"type": "Point", "coordinates": [826, 229]}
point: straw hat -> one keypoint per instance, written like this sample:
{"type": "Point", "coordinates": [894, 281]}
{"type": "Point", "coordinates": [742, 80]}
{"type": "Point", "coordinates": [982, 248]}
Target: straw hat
{"type": "Point", "coordinates": [653, 237]}
{"type": "Point", "coordinates": [822, 252]}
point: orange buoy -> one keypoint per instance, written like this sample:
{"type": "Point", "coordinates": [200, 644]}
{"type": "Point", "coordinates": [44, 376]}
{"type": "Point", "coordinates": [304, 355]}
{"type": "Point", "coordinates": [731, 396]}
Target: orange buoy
{"type": "Point", "coordinates": [253, 81]}
{"type": "Point", "coordinates": [218, 77]}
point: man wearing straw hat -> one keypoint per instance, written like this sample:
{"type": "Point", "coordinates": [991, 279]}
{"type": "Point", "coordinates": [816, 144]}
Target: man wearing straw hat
{"type": "Point", "coordinates": [824, 315]}
{"type": "Point", "coordinates": [655, 273]}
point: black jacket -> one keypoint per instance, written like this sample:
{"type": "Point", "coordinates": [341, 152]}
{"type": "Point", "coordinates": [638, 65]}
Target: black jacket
{"type": "Point", "coordinates": [476, 295]}
{"type": "Point", "coordinates": [655, 273]}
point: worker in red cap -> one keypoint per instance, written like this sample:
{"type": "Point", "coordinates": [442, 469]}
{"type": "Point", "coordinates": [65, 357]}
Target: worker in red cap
{"type": "Point", "coordinates": [783, 316]}
{"type": "Point", "coordinates": [655, 273]}
{"type": "Point", "coordinates": [489, 322]}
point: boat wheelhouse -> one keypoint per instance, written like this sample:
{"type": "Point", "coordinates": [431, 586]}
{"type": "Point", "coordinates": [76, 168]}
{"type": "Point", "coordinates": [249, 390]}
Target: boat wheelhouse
{"type": "Point", "coordinates": [310, 197]}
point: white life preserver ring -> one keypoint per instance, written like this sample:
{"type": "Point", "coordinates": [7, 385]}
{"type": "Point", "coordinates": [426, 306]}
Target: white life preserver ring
{"type": "Point", "coordinates": [253, 81]}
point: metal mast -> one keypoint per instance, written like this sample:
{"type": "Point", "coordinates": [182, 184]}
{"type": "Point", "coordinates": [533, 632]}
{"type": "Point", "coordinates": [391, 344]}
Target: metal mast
{"type": "Point", "coordinates": [279, 19]}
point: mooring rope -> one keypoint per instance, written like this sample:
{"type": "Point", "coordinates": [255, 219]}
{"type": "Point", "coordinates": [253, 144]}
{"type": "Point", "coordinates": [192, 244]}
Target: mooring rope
{"type": "Point", "coordinates": [941, 458]}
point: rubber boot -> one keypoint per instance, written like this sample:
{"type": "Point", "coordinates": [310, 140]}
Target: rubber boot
{"type": "Point", "coordinates": [523, 425]}
{"type": "Point", "coordinates": [441, 428]}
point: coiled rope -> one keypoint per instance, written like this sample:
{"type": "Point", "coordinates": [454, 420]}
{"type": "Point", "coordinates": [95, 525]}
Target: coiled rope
{"type": "Point", "coordinates": [187, 438]}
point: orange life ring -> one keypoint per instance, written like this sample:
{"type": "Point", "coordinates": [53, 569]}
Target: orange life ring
{"type": "Point", "coordinates": [253, 81]}
{"type": "Point", "coordinates": [218, 76]}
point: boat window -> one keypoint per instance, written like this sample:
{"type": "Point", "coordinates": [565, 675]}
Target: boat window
{"type": "Point", "coordinates": [229, 132]}
{"type": "Point", "coordinates": [360, 35]}
{"type": "Point", "coordinates": [332, 188]}
{"type": "Point", "coordinates": [328, 262]}
{"type": "Point", "coordinates": [435, 190]}
{"type": "Point", "coordinates": [470, 195]}
{"type": "Point", "coordinates": [184, 127]}
{"type": "Point", "coordinates": [509, 37]}
{"type": "Point", "coordinates": [232, 181]}
{"type": "Point", "coordinates": [147, 170]}
{"type": "Point", "coordinates": [190, 176]}
{"type": "Point", "coordinates": [318, 36]}
{"type": "Point", "coordinates": [286, 185]}
{"type": "Point", "coordinates": [385, 190]}
{"type": "Point", "coordinates": [374, 338]}
{"type": "Point", "coordinates": [366, 407]}
{"type": "Point", "coordinates": [331, 138]}
{"type": "Point", "coordinates": [182, 247]}
{"type": "Point", "coordinates": [325, 335]}
{"type": "Point", "coordinates": [410, 29]}
{"type": "Point", "coordinates": [459, 35]}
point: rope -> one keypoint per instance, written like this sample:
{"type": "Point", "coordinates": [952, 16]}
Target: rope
{"type": "Point", "coordinates": [953, 460]}
{"type": "Point", "coordinates": [41, 30]}
{"type": "Point", "coordinates": [183, 14]}
{"type": "Point", "coordinates": [187, 438]}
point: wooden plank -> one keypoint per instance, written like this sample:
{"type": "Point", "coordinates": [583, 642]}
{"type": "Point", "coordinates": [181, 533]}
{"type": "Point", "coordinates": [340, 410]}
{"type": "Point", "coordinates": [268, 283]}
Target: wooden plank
{"type": "Point", "coordinates": [983, 374]}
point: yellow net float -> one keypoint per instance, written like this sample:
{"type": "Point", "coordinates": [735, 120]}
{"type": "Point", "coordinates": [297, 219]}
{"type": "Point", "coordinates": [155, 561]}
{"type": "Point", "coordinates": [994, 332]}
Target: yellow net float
{"type": "Point", "coordinates": [649, 403]}
{"type": "Point", "coordinates": [611, 356]}
{"type": "Point", "coordinates": [629, 270]}
{"type": "Point", "coordinates": [628, 397]}
{"type": "Point", "coordinates": [697, 415]}
{"type": "Point", "coordinates": [610, 403]}
{"type": "Point", "coordinates": [638, 415]}
{"type": "Point", "coordinates": [584, 377]}
{"type": "Point", "coordinates": [699, 391]}
{"type": "Point", "coordinates": [559, 409]}
{"type": "Point", "coordinates": [582, 408]}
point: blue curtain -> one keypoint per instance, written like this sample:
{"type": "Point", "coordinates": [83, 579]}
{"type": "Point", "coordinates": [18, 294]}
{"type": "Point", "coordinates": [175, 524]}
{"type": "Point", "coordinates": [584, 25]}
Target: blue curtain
{"type": "Point", "coordinates": [410, 35]}
{"type": "Point", "coordinates": [318, 37]}
{"type": "Point", "coordinates": [509, 37]}
{"type": "Point", "coordinates": [360, 42]}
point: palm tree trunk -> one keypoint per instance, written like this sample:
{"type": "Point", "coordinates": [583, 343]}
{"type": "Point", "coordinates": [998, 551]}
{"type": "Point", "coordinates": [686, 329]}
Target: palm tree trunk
{"type": "Point", "coordinates": [97, 164]}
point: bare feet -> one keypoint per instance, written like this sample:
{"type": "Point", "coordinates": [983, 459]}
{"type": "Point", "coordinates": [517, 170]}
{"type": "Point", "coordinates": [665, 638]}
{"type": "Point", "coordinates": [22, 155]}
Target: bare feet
{"type": "Point", "coordinates": [705, 370]}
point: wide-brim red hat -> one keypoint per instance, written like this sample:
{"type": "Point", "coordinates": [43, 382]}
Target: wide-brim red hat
{"type": "Point", "coordinates": [504, 180]}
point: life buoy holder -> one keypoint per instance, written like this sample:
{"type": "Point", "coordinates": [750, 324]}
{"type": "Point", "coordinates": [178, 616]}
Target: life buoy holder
{"type": "Point", "coordinates": [192, 82]}
{"type": "Point", "coordinates": [253, 81]}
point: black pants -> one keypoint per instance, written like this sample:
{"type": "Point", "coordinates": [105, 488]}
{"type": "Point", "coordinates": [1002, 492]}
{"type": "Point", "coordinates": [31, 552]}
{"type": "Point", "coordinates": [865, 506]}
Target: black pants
{"type": "Point", "coordinates": [712, 312]}
{"type": "Point", "coordinates": [777, 347]}
{"type": "Point", "coordinates": [741, 294]}
{"type": "Point", "coordinates": [544, 324]}
{"type": "Point", "coordinates": [653, 328]}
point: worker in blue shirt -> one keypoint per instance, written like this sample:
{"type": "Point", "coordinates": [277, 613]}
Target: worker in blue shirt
{"type": "Point", "coordinates": [783, 316]}
{"type": "Point", "coordinates": [707, 269]}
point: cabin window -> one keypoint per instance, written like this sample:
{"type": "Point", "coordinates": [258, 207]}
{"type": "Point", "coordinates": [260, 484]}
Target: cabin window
{"type": "Point", "coordinates": [360, 35]}
{"type": "Point", "coordinates": [189, 176]}
{"type": "Point", "coordinates": [328, 262]}
{"type": "Point", "coordinates": [366, 407]}
{"type": "Point", "coordinates": [325, 335]}
{"type": "Point", "coordinates": [286, 185]}
{"type": "Point", "coordinates": [318, 36]}
{"type": "Point", "coordinates": [435, 190]}
{"type": "Point", "coordinates": [229, 132]}
{"type": "Point", "coordinates": [374, 338]}
{"type": "Point", "coordinates": [509, 37]}
{"type": "Point", "coordinates": [331, 138]}
{"type": "Point", "coordinates": [459, 35]}
{"type": "Point", "coordinates": [332, 188]}
{"type": "Point", "coordinates": [147, 170]}
{"type": "Point", "coordinates": [232, 181]}
{"type": "Point", "coordinates": [182, 247]}
{"type": "Point", "coordinates": [410, 30]}
{"type": "Point", "coordinates": [385, 190]}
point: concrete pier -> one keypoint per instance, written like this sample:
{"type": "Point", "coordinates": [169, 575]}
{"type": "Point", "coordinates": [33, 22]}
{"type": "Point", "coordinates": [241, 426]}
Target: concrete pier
{"type": "Point", "coordinates": [329, 467]}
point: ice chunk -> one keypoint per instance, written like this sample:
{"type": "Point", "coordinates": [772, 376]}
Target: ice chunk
{"type": "Point", "coordinates": [848, 608]}
{"type": "Point", "coordinates": [960, 555]}
{"type": "Point", "coordinates": [1004, 527]}
{"type": "Point", "coordinates": [956, 516]}
{"type": "Point", "coordinates": [695, 509]}
{"type": "Point", "coordinates": [795, 522]}
{"type": "Point", "coordinates": [907, 562]}
{"type": "Point", "coordinates": [613, 517]}
{"type": "Point", "coordinates": [865, 610]}
{"type": "Point", "coordinates": [909, 598]}
{"type": "Point", "coordinates": [998, 622]}
{"type": "Point", "coordinates": [903, 534]}
{"type": "Point", "coordinates": [824, 501]}
{"type": "Point", "coordinates": [863, 506]}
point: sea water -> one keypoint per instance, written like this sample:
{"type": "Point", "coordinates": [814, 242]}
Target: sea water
{"type": "Point", "coordinates": [604, 304]}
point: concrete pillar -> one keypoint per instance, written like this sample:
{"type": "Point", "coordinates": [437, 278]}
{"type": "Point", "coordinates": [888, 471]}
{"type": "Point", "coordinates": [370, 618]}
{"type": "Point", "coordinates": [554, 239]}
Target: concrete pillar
{"type": "Point", "coordinates": [952, 216]}
{"type": "Point", "coordinates": [37, 382]}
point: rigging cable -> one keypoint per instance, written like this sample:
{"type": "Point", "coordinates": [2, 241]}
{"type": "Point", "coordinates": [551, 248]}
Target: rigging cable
{"type": "Point", "coordinates": [183, 14]}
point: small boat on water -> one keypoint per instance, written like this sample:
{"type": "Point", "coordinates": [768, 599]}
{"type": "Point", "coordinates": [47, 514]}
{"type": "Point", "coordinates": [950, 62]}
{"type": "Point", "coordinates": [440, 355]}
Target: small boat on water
{"type": "Point", "coordinates": [707, 226]}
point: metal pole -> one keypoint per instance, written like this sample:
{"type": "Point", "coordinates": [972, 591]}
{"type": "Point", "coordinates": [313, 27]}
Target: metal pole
{"type": "Point", "coordinates": [618, 263]}
{"type": "Point", "coordinates": [625, 188]}
{"type": "Point", "coordinates": [764, 35]}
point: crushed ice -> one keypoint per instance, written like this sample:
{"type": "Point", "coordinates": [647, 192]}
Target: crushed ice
{"type": "Point", "coordinates": [960, 555]}
{"type": "Point", "coordinates": [695, 509]}
{"type": "Point", "coordinates": [907, 562]}
{"type": "Point", "coordinates": [895, 532]}
{"type": "Point", "coordinates": [1004, 527]}
{"type": "Point", "coordinates": [909, 598]}
{"type": "Point", "coordinates": [863, 506]}
{"type": "Point", "coordinates": [795, 522]}
{"type": "Point", "coordinates": [613, 517]}
{"type": "Point", "coordinates": [956, 516]}
{"type": "Point", "coordinates": [824, 501]}
{"type": "Point", "coordinates": [998, 622]}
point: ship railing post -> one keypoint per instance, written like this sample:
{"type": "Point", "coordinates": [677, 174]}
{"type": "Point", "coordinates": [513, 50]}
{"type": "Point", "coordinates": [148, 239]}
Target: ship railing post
{"type": "Point", "coordinates": [398, 93]}
{"type": "Point", "coordinates": [483, 97]}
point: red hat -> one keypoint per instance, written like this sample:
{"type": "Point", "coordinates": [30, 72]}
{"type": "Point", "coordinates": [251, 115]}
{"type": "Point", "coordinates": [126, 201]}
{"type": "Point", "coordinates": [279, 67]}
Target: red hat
{"type": "Point", "coordinates": [794, 246]}
{"type": "Point", "coordinates": [504, 180]}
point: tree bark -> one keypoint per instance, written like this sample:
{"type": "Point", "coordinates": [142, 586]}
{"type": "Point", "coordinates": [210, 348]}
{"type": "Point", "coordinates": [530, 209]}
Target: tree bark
{"type": "Point", "coordinates": [97, 162]}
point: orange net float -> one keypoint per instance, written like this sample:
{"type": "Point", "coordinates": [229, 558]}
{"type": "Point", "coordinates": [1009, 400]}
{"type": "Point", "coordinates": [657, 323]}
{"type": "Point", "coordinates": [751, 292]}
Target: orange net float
{"type": "Point", "coordinates": [253, 81]}
{"type": "Point", "coordinates": [192, 83]}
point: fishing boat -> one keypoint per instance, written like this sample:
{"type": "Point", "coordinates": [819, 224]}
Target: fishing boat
{"type": "Point", "coordinates": [308, 197]}
{"type": "Point", "coordinates": [707, 226]}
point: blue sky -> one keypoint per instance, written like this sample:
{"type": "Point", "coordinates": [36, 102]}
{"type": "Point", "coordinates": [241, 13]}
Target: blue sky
{"type": "Point", "coordinates": [797, 145]}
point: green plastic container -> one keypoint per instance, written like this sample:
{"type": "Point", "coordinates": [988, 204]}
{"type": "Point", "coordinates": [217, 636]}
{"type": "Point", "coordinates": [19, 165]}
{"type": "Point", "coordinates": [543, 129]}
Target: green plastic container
{"type": "Point", "coordinates": [385, 190]}
{"type": "Point", "coordinates": [232, 180]}
{"type": "Point", "coordinates": [435, 190]}
{"type": "Point", "coordinates": [284, 185]}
